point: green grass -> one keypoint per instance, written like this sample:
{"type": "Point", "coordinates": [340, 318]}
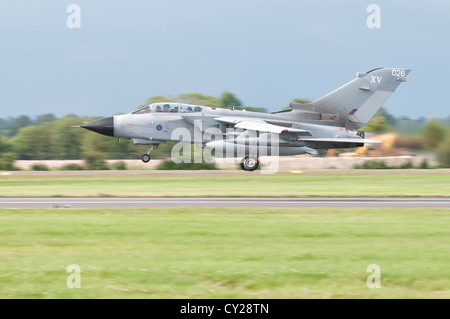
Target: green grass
{"type": "Point", "coordinates": [225, 253]}
{"type": "Point", "coordinates": [291, 185]}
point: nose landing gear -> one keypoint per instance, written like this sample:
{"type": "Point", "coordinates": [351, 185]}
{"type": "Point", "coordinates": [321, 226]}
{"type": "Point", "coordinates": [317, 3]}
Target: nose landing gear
{"type": "Point", "coordinates": [146, 157]}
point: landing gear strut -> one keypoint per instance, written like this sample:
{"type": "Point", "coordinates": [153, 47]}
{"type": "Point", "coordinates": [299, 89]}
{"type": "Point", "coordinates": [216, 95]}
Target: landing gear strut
{"type": "Point", "coordinates": [249, 163]}
{"type": "Point", "coordinates": [146, 156]}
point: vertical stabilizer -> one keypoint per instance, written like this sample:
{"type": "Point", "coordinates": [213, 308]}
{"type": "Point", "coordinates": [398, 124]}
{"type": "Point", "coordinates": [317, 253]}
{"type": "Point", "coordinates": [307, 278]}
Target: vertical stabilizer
{"type": "Point", "coordinates": [356, 102]}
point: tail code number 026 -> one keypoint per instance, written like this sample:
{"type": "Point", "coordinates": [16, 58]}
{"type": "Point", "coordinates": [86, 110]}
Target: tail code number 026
{"type": "Point", "coordinates": [398, 73]}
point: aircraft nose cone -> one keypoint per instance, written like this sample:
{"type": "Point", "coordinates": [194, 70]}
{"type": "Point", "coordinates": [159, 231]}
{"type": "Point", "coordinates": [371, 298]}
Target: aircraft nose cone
{"type": "Point", "coordinates": [103, 126]}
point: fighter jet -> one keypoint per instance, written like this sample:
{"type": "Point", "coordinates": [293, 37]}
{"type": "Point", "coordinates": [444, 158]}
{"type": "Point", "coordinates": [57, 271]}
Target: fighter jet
{"type": "Point", "coordinates": [332, 121]}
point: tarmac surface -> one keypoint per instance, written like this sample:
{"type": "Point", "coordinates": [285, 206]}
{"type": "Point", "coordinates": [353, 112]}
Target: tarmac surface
{"type": "Point", "coordinates": [247, 202]}
{"type": "Point", "coordinates": [222, 172]}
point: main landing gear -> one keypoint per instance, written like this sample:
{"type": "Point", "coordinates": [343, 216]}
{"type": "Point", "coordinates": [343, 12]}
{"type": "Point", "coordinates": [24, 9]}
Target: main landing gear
{"type": "Point", "coordinates": [249, 163]}
{"type": "Point", "coordinates": [146, 156]}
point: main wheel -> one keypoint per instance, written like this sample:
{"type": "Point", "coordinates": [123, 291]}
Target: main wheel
{"type": "Point", "coordinates": [146, 158]}
{"type": "Point", "coordinates": [249, 163]}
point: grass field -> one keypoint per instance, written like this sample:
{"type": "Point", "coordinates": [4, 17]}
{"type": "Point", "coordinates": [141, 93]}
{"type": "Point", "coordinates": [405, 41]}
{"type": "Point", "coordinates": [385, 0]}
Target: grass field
{"type": "Point", "coordinates": [282, 185]}
{"type": "Point", "coordinates": [225, 253]}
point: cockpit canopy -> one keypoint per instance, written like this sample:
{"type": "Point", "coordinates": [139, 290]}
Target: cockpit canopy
{"type": "Point", "coordinates": [169, 108]}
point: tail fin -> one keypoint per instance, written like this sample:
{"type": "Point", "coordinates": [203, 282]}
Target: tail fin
{"type": "Point", "coordinates": [356, 102]}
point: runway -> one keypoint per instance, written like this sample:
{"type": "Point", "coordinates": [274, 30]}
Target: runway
{"type": "Point", "coordinates": [230, 202]}
{"type": "Point", "coordinates": [221, 172]}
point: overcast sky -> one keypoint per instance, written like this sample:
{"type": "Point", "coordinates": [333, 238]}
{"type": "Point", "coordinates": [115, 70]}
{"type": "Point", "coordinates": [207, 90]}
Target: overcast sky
{"type": "Point", "coordinates": [266, 52]}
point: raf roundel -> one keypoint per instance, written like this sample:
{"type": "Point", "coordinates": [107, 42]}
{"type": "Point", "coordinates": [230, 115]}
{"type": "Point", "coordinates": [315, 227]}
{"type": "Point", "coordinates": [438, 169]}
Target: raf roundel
{"type": "Point", "coordinates": [159, 127]}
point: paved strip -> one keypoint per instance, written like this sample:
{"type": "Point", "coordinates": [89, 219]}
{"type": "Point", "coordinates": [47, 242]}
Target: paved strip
{"type": "Point", "coordinates": [221, 172]}
{"type": "Point", "coordinates": [327, 202]}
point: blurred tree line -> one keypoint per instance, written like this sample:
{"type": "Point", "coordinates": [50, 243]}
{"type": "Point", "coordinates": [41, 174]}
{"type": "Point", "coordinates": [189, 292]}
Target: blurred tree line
{"type": "Point", "coordinates": [225, 100]}
{"type": "Point", "coordinates": [49, 137]}
{"type": "Point", "coordinates": [57, 138]}
{"type": "Point", "coordinates": [422, 134]}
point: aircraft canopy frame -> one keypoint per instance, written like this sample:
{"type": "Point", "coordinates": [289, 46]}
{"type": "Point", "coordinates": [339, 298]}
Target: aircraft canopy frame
{"type": "Point", "coordinates": [169, 108]}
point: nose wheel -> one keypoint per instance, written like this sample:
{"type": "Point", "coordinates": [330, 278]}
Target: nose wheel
{"type": "Point", "coordinates": [146, 157]}
{"type": "Point", "coordinates": [249, 163]}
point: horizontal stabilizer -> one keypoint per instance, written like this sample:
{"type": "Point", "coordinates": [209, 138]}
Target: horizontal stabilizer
{"type": "Point", "coordinates": [302, 106]}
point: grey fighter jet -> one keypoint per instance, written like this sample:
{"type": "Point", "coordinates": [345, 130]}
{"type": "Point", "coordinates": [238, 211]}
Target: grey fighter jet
{"type": "Point", "coordinates": [332, 121]}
